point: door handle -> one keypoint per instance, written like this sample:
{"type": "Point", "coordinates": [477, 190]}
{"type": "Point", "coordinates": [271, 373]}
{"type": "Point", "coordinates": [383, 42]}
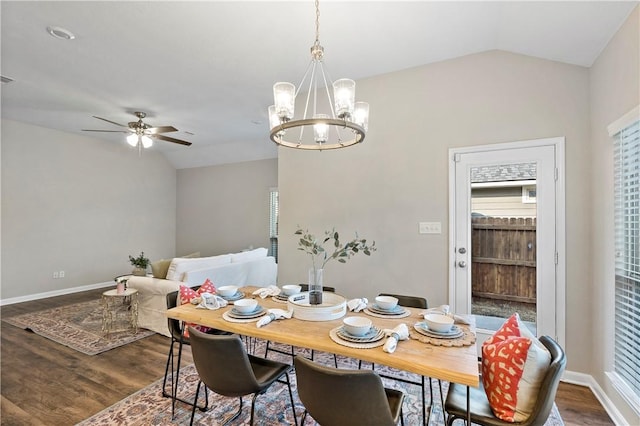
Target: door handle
{"type": "Point", "coordinates": [462, 264]}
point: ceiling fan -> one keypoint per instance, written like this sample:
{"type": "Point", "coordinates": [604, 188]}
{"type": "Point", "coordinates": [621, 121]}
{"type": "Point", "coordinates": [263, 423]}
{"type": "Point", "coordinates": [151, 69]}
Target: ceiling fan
{"type": "Point", "coordinates": [140, 133]}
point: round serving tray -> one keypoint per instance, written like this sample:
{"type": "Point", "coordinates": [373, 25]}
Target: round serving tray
{"type": "Point", "coordinates": [333, 307]}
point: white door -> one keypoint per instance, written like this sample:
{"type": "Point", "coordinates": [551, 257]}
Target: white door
{"type": "Point", "coordinates": [548, 156]}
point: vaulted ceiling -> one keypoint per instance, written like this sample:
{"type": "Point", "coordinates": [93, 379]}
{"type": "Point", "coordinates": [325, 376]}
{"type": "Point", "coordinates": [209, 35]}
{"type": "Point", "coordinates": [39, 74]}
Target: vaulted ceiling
{"type": "Point", "coordinates": [207, 68]}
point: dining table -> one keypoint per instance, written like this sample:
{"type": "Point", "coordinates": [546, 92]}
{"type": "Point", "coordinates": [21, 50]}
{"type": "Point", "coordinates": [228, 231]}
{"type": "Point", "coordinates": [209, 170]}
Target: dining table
{"type": "Point", "coordinates": [456, 364]}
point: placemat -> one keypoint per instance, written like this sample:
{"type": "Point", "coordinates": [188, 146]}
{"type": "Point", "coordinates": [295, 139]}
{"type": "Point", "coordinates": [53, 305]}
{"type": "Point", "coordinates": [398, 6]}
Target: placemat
{"type": "Point", "coordinates": [405, 314]}
{"type": "Point", "coordinates": [469, 338]}
{"type": "Point", "coordinates": [334, 336]}
{"type": "Point", "coordinates": [275, 299]}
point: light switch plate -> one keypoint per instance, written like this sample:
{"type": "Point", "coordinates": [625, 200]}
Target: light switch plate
{"type": "Point", "coordinates": [430, 227]}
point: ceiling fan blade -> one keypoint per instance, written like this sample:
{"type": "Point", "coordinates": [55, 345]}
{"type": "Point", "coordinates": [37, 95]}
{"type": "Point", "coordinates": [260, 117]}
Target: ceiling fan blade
{"type": "Point", "coordinates": [174, 140]}
{"type": "Point", "coordinates": [160, 129]}
{"type": "Point", "coordinates": [110, 131]}
{"type": "Point", "coordinates": [109, 121]}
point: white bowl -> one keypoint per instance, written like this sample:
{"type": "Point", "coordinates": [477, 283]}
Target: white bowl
{"type": "Point", "coordinates": [438, 322]}
{"type": "Point", "coordinates": [291, 289]}
{"type": "Point", "coordinates": [244, 306]}
{"type": "Point", "coordinates": [227, 290]}
{"type": "Point", "coordinates": [357, 326]}
{"type": "Point", "coordinates": [386, 302]}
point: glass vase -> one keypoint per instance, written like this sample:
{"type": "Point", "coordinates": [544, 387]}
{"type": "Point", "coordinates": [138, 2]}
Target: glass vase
{"type": "Point", "coordinates": [315, 286]}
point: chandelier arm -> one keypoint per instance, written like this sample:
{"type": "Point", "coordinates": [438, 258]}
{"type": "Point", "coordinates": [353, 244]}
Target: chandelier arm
{"type": "Point", "coordinates": [304, 77]}
{"type": "Point", "coordinates": [326, 86]}
{"type": "Point", "coordinates": [306, 105]}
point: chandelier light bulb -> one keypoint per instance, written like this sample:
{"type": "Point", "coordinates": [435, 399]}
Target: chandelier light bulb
{"type": "Point", "coordinates": [284, 95]}
{"type": "Point", "coordinates": [274, 120]}
{"type": "Point", "coordinates": [132, 139]}
{"type": "Point", "coordinates": [344, 93]}
{"type": "Point", "coordinates": [321, 130]}
{"type": "Point", "coordinates": [361, 115]}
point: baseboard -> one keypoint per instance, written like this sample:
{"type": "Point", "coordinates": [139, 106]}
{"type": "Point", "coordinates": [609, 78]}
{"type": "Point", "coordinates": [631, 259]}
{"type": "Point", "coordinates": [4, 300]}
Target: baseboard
{"type": "Point", "coordinates": [54, 293]}
{"type": "Point", "coordinates": [587, 380]}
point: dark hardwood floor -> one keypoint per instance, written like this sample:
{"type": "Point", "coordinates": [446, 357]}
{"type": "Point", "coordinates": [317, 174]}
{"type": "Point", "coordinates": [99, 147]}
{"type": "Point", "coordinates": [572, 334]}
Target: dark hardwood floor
{"type": "Point", "coordinates": [45, 383]}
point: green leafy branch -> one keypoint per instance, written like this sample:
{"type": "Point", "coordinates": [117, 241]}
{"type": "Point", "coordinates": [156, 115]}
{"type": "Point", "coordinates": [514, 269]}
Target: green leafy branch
{"type": "Point", "coordinates": [311, 245]}
{"type": "Point", "coordinates": [140, 261]}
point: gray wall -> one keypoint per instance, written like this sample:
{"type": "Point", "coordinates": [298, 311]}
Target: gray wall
{"type": "Point", "coordinates": [399, 175]}
{"type": "Point", "coordinates": [81, 205]}
{"type": "Point", "coordinates": [615, 90]}
{"type": "Point", "coordinates": [224, 208]}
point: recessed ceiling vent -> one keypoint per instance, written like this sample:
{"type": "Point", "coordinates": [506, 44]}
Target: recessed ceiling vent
{"type": "Point", "coordinates": [5, 80]}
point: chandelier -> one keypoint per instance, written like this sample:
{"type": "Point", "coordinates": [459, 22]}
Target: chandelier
{"type": "Point", "coordinates": [326, 122]}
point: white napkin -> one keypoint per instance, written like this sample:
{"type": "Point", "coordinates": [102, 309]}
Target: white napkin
{"type": "Point", "coordinates": [445, 310]}
{"type": "Point", "coordinates": [274, 314]}
{"type": "Point", "coordinates": [356, 305]}
{"type": "Point", "coordinates": [265, 292]}
{"type": "Point", "coordinates": [400, 332]}
{"type": "Point", "coordinates": [209, 301]}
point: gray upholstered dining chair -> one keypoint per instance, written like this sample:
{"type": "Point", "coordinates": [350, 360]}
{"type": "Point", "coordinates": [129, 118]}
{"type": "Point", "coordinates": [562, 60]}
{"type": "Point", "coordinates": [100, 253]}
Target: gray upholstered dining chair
{"type": "Point", "coordinates": [291, 351]}
{"type": "Point", "coordinates": [480, 410]}
{"type": "Point", "coordinates": [339, 397]}
{"type": "Point", "coordinates": [225, 367]}
{"type": "Point", "coordinates": [173, 362]}
{"type": "Point", "coordinates": [420, 303]}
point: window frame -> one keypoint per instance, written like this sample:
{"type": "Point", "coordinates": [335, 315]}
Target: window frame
{"type": "Point", "coordinates": [629, 392]}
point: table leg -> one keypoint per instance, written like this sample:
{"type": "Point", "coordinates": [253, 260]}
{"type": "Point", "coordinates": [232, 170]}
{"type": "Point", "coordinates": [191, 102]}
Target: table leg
{"type": "Point", "coordinates": [468, 408]}
{"type": "Point", "coordinates": [134, 313]}
{"type": "Point", "coordinates": [106, 316]}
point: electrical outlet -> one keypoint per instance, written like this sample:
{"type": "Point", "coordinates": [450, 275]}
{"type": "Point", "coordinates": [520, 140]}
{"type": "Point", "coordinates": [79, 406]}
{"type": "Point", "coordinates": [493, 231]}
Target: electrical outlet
{"type": "Point", "coordinates": [61, 274]}
{"type": "Point", "coordinates": [56, 275]}
{"type": "Point", "coordinates": [430, 227]}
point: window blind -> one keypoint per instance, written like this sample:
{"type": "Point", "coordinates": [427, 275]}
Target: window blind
{"type": "Point", "coordinates": [627, 259]}
{"type": "Point", "coordinates": [273, 222]}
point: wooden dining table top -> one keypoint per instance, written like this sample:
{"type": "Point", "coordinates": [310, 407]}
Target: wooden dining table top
{"type": "Point", "coordinates": [452, 364]}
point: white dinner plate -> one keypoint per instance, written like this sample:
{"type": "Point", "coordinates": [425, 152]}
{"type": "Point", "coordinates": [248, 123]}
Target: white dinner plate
{"type": "Point", "coordinates": [259, 311]}
{"type": "Point", "coordinates": [455, 332]}
{"type": "Point", "coordinates": [397, 310]}
{"type": "Point", "coordinates": [239, 295]}
{"type": "Point", "coordinates": [373, 335]}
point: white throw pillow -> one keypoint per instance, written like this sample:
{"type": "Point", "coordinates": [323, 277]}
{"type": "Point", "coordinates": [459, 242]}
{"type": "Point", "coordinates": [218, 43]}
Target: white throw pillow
{"type": "Point", "coordinates": [181, 265]}
{"type": "Point", "coordinates": [249, 255]}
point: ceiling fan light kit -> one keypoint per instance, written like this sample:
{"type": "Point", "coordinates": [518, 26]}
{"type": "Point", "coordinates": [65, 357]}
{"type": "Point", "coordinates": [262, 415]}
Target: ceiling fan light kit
{"type": "Point", "coordinates": [345, 124]}
{"type": "Point", "coordinates": [141, 134]}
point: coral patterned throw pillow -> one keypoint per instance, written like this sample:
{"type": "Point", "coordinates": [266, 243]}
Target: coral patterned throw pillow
{"type": "Point", "coordinates": [513, 366]}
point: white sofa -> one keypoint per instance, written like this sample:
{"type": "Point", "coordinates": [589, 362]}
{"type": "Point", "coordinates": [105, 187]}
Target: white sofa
{"type": "Point", "coordinates": [246, 268]}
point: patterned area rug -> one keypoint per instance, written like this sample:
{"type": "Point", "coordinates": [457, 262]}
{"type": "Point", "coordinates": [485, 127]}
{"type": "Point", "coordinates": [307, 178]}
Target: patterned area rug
{"type": "Point", "coordinates": [148, 407]}
{"type": "Point", "coordinates": [78, 326]}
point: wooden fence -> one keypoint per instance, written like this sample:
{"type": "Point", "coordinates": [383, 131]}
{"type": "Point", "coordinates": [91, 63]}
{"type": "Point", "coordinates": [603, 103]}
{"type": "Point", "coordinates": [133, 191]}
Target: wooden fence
{"type": "Point", "coordinates": [504, 258]}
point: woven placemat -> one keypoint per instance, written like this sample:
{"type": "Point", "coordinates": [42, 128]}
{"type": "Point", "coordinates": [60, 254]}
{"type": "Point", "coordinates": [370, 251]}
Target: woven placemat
{"type": "Point", "coordinates": [334, 336]}
{"type": "Point", "coordinates": [467, 339]}
{"type": "Point", "coordinates": [226, 317]}
{"type": "Point", "coordinates": [275, 299]}
{"type": "Point", "coordinates": [405, 314]}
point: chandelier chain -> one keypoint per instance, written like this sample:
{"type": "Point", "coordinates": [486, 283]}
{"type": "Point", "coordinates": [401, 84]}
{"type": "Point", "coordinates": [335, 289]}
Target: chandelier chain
{"type": "Point", "coordinates": [317, 21]}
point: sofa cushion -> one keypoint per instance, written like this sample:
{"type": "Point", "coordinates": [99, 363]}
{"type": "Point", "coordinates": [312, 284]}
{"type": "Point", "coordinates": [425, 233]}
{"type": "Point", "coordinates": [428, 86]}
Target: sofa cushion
{"type": "Point", "coordinates": [249, 255]}
{"type": "Point", "coordinates": [160, 268]}
{"type": "Point", "coordinates": [179, 266]}
{"type": "Point", "coordinates": [513, 366]}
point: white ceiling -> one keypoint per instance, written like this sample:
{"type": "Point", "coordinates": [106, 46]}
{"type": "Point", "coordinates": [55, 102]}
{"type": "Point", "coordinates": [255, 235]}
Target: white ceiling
{"type": "Point", "coordinates": [208, 67]}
